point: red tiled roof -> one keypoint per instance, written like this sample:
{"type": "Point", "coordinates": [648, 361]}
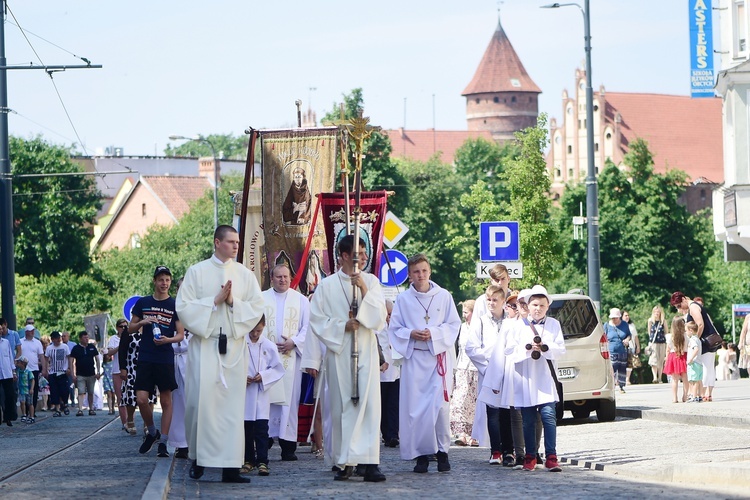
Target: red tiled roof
{"type": "Point", "coordinates": [501, 69]}
{"type": "Point", "coordinates": [177, 192]}
{"type": "Point", "coordinates": [682, 133]}
{"type": "Point", "coordinates": [421, 145]}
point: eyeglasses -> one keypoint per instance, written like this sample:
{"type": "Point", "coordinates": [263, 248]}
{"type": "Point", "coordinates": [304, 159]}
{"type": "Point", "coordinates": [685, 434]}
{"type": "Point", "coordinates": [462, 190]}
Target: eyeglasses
{"type": "Point", "coordinates": [122, 326]}
{"type": "Point", "coordinates": [512, 306]}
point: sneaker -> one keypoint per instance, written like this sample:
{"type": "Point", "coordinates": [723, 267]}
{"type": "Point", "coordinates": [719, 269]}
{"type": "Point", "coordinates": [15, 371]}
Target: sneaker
{"type": "Point", "coordinates": [148, 442]}
{"type": "Point", "coordinates": [519, 462]}
{"type": "Point", "coordinates": [263, 470]}
{"type": "Point", "coordinates": [23, 419]}
{"type": "Point", "coordinates": [551, 464]}
{"type": "Point", "coordinates": [181, 453]}
{"type": "Point", "coordinates": [529, 462]}
{"type": "Point", "coordinates": [443, 465]}
{"type": "Point", "coordinates": [497, 458]}
{"type": "Point", "coordinates": [508, 460]}
{"type": "Point", "coordinates": [422, 464]}
{"type": "Point", "coordinates": [162, 451]}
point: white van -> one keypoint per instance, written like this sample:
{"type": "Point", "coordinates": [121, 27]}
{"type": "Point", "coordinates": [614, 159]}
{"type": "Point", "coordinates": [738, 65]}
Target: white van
{"type": "Point", "coordinates": [585, 370]}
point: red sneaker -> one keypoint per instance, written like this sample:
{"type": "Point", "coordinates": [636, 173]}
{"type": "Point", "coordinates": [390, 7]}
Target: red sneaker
{"type": "Point", "coordinates": [551, 464]}
{"type": "Point", "coordinates": [497, 458]}
{"type": "Point", "coordinates": [529, 462]}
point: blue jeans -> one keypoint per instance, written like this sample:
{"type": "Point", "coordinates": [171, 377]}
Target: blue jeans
{"type": "Point", "coordinates": [549, 423]}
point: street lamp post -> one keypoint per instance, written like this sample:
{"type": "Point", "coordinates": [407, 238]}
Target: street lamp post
{"type": "Point", "coordinates": [592, 195]}
{"type": "Point", "coordinates": [200, 138]}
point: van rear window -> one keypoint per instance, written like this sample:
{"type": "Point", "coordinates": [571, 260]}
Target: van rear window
{"type": "Point", "coordinates": [576, 316]}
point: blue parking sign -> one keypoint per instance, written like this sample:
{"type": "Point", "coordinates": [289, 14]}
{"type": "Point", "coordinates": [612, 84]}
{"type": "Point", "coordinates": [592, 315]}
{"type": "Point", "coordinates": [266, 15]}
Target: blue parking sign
{"type": "Point", "coordinates": [499, 241]}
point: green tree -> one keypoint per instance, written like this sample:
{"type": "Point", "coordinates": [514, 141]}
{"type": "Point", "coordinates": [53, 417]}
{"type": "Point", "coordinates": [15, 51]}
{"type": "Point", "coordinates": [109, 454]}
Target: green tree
{"type": "Point", "coordinates": [51, 212]}
{"type": "Point", "coordinates": [527, 181]}
{"type": "Point", "coordinates": [227, 146]}
{"type": "Point", "coordinates": [482, 160]}
{"type": "Point", "coordinates": [378, 171]}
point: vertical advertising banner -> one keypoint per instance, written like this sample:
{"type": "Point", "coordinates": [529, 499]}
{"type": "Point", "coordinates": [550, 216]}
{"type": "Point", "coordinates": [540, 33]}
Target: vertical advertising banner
{"type": "Point", "coordinates": [701, 49]}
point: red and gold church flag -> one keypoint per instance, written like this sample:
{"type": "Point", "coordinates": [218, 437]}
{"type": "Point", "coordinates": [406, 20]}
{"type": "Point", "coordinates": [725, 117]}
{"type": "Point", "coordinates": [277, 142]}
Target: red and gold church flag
{"type": "Point", "coordinates": [372, 221]}
{"type": "Point", "coordinates": [298, 164]}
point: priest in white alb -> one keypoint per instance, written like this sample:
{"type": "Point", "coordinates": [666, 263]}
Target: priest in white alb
{"type": "Point", "coordinates": [287, 316]}
{"type": "Point", "coordinates": [424, 326]}
{"type": "Point", "coordinates": [219, 302]}
{"type": "Point", "coordinates": [355, 436]}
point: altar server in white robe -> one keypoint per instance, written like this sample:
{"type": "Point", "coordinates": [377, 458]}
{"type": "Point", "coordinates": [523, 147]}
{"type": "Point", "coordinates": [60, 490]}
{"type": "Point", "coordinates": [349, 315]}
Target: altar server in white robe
{"type": "Point", "coordinates": [485, 338]}
{"type": "Point", "coordinates": [424, 327]}
{"type": "Point", "coordinates": [355, 433]}
{"type": "Point", "coordinates": [535, 392]}
{"type": "Point", "coordinates": [218, 297]}
{"type": "Point", "coordinates": [264, 371]}
{"type": "Point", "coordinates": [312, 364]}
{"type": "Point", "coordinates": [498, 276]}
{"type": "Point", "coordinates": [177, 436]}
{"type": "Point", "coordinates": [287, 315]}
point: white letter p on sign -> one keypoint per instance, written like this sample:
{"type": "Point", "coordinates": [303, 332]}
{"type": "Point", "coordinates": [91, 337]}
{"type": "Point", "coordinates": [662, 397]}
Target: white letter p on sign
{"type": "Point", "coordinates": [499, 238]}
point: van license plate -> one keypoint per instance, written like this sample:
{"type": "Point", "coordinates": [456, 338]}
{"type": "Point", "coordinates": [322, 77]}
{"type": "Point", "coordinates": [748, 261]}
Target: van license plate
{"type": "Point", "coordinates": [563, 373]}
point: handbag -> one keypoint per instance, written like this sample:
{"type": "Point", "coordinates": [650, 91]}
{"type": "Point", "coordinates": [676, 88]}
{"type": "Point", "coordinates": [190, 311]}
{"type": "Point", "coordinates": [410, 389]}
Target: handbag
{"type": "Point", "coordinates": [711, 343]}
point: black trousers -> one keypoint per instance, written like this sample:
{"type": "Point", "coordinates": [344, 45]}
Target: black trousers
{"type": "Point", "coordinates": [8, 399]}
{"type": "Point", "coordinates": [36, 387]}
{"type": "Point", "coordinates": [287, 447]}
{"type": "Point", "coordinates": [499, 429]}
{"type": "Point", "coordinates": [256, 441]}
{"type": "Point", "coordinates": [389, 393]}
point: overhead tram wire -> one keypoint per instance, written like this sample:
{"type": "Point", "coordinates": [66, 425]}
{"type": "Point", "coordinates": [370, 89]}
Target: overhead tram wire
{"type": "Point", "coordinates": [54, 85]}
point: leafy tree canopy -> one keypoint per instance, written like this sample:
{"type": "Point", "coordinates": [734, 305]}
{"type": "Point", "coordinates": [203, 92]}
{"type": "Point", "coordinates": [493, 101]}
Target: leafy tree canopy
{"type": "Point", "coordinates": [51, 212]}
{"type": "Point", "coordinates": [227, 146]}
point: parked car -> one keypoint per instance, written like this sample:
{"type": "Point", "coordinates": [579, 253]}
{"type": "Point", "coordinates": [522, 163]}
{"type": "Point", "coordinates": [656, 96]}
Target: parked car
{"type": "Point", "coordinates": [585, 370]}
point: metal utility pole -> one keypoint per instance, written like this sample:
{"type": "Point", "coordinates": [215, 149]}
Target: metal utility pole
{"type": "Point", "coordinates": [7, 264]}
{"type": "Point", "coordinates": [592, 193]}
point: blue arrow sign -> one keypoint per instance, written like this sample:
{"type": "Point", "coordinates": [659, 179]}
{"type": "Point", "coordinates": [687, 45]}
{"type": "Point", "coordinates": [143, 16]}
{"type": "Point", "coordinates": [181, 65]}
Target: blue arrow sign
{"type": "Point", "coordinates": [398, 272]}
{"type": "Point", "coordinates": [128, 307]}
{"type": "Point", "coordinates": [499, 241]}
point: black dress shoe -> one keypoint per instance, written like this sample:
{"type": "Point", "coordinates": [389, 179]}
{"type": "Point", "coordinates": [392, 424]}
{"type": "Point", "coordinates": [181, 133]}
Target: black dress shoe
{"type": "Point", "coordinates": [344, 474]}
{"type": "Point", "coordinates": [196, 471]}
{"type": "Point", "coordinates": [392, 443]}
{"type": "Point", "coordinates": [360, 470]}
{"type": "Point", "coordinates": [335, 468]}
{"type": "Point", "coordinates": [373, 474]}
{"type": "Point", "coordinates": [233, 476]}
{"type": "Point", "coordinates": [422, 463]}
{"type": "Point", "coordinates": [443, 465]}
{"type": "Point", "coordinates": [288, 458]}
{"type": "Point", "coordinates": [181, 453]}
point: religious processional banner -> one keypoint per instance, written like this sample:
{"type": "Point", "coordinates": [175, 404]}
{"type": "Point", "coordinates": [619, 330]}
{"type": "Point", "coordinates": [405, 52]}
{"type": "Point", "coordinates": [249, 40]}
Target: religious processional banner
{"type": "Point", "coordinates": [372, 221]}
{"type": "Point", "coordinates": [297, 165]}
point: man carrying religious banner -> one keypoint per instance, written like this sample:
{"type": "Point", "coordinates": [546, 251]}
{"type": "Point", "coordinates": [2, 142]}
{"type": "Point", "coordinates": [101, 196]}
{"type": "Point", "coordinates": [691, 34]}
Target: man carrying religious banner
{"type": "Point", "coordinates": [219, 302]}
{"type": "Point", "coordinates": [287, 315]}
{"type": "Point", "coordinates": [424, 326]}
{"type": "Point", "coordinates": [355, 437]}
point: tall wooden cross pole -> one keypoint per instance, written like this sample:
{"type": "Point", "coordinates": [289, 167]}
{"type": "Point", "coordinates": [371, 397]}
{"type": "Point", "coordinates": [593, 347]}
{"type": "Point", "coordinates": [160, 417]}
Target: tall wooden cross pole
{"type": "Point", "coordinates": [359, 130]}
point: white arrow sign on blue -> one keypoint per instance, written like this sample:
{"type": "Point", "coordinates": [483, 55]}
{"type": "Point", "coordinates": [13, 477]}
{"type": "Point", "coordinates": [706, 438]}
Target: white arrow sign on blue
{"type": "Point", "coordinates": [398, 272]}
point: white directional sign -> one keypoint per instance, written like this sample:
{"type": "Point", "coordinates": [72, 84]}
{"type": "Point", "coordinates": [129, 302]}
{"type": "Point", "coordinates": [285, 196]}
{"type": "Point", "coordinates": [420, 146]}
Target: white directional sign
{"type": "Point", "coordinates": [393, 230]}
{"type": "Point", "coordinates": [515, 269]}
{"type": "Point", "coordinates": [397, 273]}
{"type": "Point", "coordinates": [498, 241]}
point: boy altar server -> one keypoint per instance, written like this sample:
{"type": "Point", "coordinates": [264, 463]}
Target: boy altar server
{"type": "Point", "coordinates": [535, 391]}
{"type": "Point", "coordinates": [423, 329]}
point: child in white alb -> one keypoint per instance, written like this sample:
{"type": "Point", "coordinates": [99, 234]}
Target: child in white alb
{"type": "Point", "coordinates": [694, 365]}
{"type": "Point", "coordinates": [264, 369]}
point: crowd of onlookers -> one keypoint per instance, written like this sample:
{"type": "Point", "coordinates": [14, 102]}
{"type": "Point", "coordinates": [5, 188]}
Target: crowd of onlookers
{"type": "Point", "coordinates": [51, 373]}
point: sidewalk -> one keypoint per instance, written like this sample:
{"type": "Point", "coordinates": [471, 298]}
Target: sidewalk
{"type": "Point", "coordinates": [715, 444]}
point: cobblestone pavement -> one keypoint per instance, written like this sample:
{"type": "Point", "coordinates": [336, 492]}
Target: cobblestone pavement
{"type": "Point", "coordinates": [652, 456]}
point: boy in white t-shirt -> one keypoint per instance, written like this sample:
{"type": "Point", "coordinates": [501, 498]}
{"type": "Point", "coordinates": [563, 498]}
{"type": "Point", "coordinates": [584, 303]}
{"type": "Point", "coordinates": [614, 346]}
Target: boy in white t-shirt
{"type": "Point", "coordinates": [694, 365]}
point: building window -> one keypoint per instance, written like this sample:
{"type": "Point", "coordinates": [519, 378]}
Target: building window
{"type": "Point", "coordinates": [477, 100]}
{"type": "Point", "coordinates": [557, 139]}
{"type": "Point", "coordinates": [596, 108]}
{"type": "Point", "coordinates": [608, 136]}
{"type": "Point", "coordinates": [570, 110]}
{"type": "Point", "coordinates": [135, 241]}
{"type": "Point", "coordinates": [558, 173]}
{"type": "Point", "coordinates": [531, 99]}
{"type": "Point", "coordinates": [740, 27]}
{"type": "Point", "coordinates": [513, 99]}
{"type": "Point", "coordinates": [143, 209]}
{"type": "Point", "coordinates": [496, 99]}
{"type": "Point", "coordinates": [570, 173]}
{"type": "Point", "coordinates": [596, 147]}
{"type": "Point", "coordinates": [703, 195]}
{"type": "Point", "coordinates": [570, 149]}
